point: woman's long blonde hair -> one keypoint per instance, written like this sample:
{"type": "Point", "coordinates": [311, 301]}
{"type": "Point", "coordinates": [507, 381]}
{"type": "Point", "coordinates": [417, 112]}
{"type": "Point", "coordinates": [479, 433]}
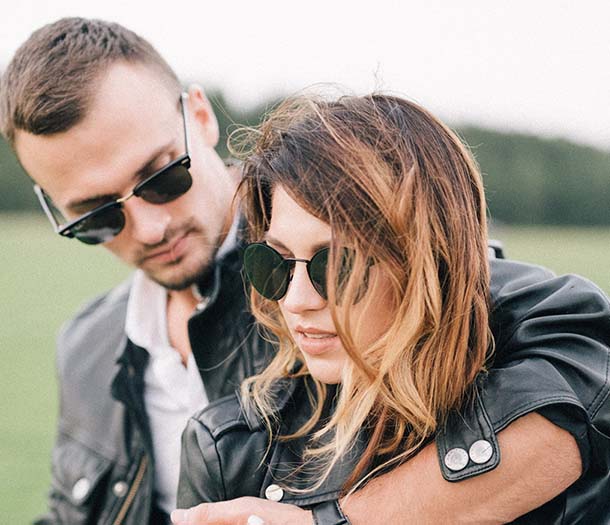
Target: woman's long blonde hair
{"type": "Point", "coordinates": [404, 194]}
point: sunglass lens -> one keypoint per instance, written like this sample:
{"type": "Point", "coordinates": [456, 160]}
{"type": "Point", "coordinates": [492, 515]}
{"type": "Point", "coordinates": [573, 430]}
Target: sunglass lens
{"type": "Point", "coordinates": [101, 226]}
{"type": "Point", "coordinates": [266, 270]}
{"type": "Point", "coordinates": [165, 186]}
{"type": "Point", "coordinates": [317, 271]}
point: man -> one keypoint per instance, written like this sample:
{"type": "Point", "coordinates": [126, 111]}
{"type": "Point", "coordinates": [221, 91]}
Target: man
{"type": "Point", "coordinates": [97, 119]}
{"type": "Point", "coordinates": [83, 158]}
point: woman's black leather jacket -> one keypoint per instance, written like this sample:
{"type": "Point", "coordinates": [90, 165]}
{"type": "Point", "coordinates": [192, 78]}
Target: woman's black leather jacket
{"type": "Point", "coordinates": [553, 338]}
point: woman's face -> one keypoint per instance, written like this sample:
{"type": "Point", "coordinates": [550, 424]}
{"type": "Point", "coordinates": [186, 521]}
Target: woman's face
{"type": "Point", "coordinates": [295, 233]}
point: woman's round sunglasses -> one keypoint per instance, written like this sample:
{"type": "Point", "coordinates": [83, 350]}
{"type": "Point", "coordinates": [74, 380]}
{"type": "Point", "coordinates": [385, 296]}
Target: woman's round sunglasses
{"type": "Point", "coordinates": [270, 273]}
{"type": "Point", "coordinates": [106, 221]}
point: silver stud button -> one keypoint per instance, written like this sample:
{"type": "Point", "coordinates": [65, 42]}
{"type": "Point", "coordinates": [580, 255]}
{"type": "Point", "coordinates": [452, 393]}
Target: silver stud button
{"type": "Point", "coordinates": [119, 489]}
{"type": "Point", "coordinates": [274, 492]}
{"type": "Point", "coordinates": [456, 459]}
{"type": "Point", "coordinates": [81, 489]}
{"type": "Point", "coordinates": [481, 451]}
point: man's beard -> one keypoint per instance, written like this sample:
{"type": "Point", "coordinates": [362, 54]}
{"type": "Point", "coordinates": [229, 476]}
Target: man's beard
{"type": "Point", "coordinates": [184, 276]}
{"type": "Point", "coordinates": [186, 279]}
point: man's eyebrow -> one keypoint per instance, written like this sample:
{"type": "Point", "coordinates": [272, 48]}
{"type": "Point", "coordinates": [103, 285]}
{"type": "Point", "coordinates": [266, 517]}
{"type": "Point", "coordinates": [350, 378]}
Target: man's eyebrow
{"type": "Point", "coordinates": [84, 205]}
{"type": "Point", "coordinates": [146, 169]}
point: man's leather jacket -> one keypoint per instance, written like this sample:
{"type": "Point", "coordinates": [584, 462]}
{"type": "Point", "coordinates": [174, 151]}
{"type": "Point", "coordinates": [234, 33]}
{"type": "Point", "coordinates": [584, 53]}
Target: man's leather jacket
{"type": "Point", "coordinates": [102, 462]}
{"type": "Point", "coordinates": [552, 356]}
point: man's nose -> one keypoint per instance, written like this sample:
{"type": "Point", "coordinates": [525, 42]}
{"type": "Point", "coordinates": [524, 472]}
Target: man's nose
{"type": "Point", "coordinates": [147, 222]}
{"type": "Point", "coordinates": [301, 295]}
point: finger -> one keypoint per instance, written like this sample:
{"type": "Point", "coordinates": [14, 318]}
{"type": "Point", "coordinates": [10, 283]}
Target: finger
{"type": "Point", "coordinates": [194, 516]}
{"type": "Point", "coordinates": [178, 516]}
{"type": "Point", "coordinates": [220, 513]}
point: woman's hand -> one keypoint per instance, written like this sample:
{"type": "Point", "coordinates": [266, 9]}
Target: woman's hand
{"type": "Point", "coordinates": [237, 512]}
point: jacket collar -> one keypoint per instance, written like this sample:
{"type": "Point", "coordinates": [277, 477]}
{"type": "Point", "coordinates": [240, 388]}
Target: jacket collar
{"type": "Point", "coordinates": [128, 386]}
{"type": "Point", "coordinates": [282, 392]}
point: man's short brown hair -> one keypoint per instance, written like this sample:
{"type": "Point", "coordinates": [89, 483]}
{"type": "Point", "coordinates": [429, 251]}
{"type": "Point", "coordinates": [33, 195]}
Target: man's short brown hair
{"type": "Point", "coordinates": [49, 83]}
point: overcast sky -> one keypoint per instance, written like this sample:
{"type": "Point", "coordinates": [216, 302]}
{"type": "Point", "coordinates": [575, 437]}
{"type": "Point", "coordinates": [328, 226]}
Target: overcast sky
{"type": "Point", "coordinates": [540, 66]}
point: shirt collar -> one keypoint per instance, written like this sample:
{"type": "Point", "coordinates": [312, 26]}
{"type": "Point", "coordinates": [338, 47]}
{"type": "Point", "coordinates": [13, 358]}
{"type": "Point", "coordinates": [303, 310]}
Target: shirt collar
{"type": "Point", "coordinates": [146, 319]}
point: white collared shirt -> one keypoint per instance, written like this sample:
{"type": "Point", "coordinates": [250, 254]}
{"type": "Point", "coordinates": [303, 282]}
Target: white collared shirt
{"type": "Point", "coordinates": [172, 392]}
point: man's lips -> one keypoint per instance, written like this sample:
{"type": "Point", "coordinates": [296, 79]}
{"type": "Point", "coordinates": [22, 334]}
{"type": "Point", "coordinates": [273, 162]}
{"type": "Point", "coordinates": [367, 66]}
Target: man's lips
{"type": "Point", "coordinates": [170, 252]}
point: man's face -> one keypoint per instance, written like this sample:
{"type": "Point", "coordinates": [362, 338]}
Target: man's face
{"type": "Point", "coordinates": [132, 129]}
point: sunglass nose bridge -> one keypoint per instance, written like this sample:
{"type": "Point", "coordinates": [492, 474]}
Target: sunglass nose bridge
{"type": "Point", "coordinates": [121, 200]}
{"type": "Point", "coordinates": [293, 260]}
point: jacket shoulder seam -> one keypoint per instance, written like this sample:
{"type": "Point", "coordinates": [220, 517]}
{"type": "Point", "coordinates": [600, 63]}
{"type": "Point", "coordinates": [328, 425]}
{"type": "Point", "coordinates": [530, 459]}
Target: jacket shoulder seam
{"type": "Point", "coordinates": [226, 423]}
{"type": "Point", "coordinates": [603, 393]}
{"type": "Point", "coordinates": [114, 298]}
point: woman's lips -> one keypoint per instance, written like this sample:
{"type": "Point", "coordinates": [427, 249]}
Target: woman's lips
{"type": "Point", "coordinates": [314, 341]}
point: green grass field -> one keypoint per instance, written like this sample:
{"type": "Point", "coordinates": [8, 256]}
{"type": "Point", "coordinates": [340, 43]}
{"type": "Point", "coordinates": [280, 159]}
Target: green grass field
{"type": "Point", "coordinates": [44, 279]}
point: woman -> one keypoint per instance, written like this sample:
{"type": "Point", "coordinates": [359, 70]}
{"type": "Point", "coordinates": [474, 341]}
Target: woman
{"type": "Point", "coordinates": [369, 266]}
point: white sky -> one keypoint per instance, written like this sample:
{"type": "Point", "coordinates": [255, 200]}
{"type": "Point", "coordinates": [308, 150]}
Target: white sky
{"type": "Point", "coordinates": [540, 66]}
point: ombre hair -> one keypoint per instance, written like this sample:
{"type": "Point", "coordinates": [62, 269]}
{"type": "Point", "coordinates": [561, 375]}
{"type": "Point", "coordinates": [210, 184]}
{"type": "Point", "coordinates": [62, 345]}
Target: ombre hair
{"type": "Point", "coordinates": [403, 193]}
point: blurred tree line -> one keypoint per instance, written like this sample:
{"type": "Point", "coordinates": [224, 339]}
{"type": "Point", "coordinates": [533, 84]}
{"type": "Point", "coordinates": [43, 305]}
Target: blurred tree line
{"type": "Point", "coordinates": [529, 180]}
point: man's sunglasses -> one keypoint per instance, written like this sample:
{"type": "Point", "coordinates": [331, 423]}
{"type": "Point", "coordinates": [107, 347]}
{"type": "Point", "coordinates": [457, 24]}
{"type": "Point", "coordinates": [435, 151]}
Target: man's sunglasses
{"type": "Point", "coordinates": [270, 273]}
{"type": "Point", "coordinates": [106, 221]}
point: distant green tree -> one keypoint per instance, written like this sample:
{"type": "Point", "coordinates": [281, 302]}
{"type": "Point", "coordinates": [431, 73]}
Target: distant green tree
{"type": "Point", "coordinates": [230, 118]}
{"type": "Point", "coordinates": [15, 186]}
{"type": "Point", "coordinates": [528, 180]}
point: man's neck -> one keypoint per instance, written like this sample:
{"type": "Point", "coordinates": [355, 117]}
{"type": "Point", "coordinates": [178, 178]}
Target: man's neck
{"type": "Point", "coordinates": [182, 303]}
{"type": "Point", "coordinates": [180, 306]}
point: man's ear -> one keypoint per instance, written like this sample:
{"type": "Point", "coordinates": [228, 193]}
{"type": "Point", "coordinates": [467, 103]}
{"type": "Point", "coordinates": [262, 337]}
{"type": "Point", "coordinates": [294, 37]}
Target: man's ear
{"type": "Point", "coordinates": [203, 115]}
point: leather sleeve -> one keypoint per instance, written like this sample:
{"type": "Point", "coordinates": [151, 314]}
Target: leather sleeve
{"type": "Point", "coordinates": [83, 452]}
{"type": "Point", "coordinates": [552, 339]}
{"type": "Point", "coordinates": [222, 455]}
{"type": "Point", "coordinates": [200, 479]}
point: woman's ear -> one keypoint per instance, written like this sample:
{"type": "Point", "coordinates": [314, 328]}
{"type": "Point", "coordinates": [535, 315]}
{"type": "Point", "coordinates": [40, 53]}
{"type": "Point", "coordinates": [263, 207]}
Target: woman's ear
{"type": "Point", "coordinates": [200, 109]}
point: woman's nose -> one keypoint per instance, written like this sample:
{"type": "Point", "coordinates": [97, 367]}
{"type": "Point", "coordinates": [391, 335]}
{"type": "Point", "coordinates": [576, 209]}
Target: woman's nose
{"type": "Point", "coordinates": [301, 294]}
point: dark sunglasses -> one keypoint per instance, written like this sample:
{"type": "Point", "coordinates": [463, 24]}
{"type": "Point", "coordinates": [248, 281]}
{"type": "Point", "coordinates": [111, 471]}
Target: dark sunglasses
{"type": "Point", "coordinates": [270, 273]}
{"type": "Point", "coordinates": [106, 221]}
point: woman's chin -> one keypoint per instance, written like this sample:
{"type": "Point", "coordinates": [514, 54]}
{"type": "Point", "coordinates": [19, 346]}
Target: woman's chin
{"type": "Point", "coordinates": [325, 370]}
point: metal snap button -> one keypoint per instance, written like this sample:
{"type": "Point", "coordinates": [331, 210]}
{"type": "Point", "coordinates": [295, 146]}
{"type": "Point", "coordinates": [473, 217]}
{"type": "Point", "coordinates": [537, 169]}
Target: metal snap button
{"type": "Point", "coordinates": [481, 451]}
{"type": "Point", "coordinates": [119, 489]}
{"type": "Point", "coordinates": [81, 489]}
{"type": "Point", "coordinates": [456, 459]}
{"type": "Point", "coordinates": [274, 492]}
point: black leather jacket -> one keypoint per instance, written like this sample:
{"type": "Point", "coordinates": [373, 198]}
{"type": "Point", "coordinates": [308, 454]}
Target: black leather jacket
{"type": "Point", "coordinates": [102, 462]}
{"type": "Point", "coordinates": [552, 355]}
